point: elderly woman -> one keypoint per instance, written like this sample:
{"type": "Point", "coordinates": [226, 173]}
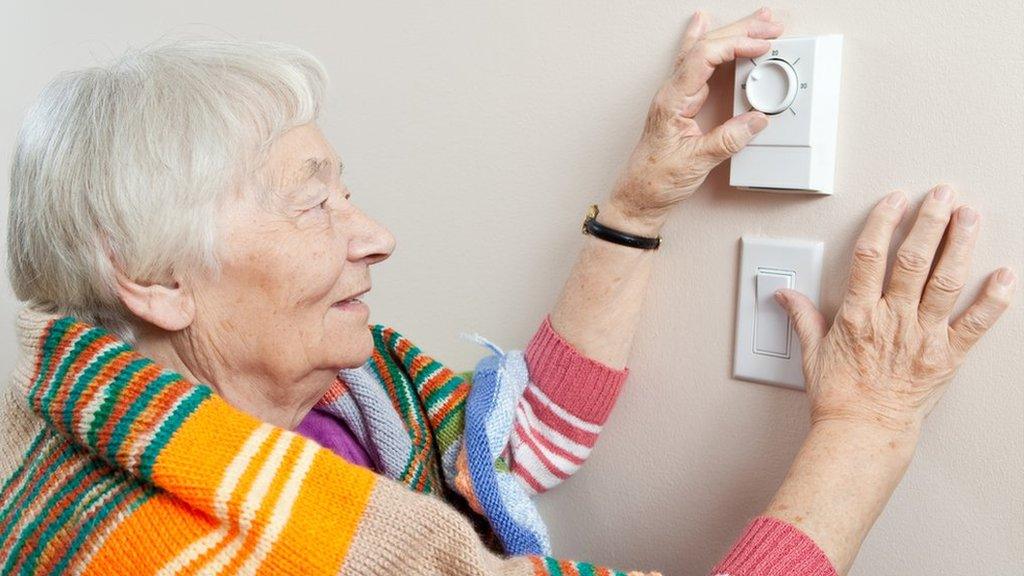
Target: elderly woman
{"type": "Point", "coordinates": [200, 391]}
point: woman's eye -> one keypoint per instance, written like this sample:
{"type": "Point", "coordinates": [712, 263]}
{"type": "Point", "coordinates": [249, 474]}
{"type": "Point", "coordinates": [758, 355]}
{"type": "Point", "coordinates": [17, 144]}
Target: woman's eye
{"type": "Point", "coordinates": [323, 205]}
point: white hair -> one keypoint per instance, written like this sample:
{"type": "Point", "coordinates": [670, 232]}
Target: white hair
{"type": "Point", "coordinates": [130, 161]}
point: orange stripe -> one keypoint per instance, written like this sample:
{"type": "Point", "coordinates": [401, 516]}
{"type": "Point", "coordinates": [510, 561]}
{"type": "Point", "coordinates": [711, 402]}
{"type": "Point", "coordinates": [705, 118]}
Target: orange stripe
{"type": "Point", "coordinates": [76, 366]}
{"type": "Point", "coordinates": [235, 500]}
{"type": "Point", "coordinates": [153, 415]}
{"type": "Point", "coordinates": [121, 407]}
{"type": "Point", "coordinates": [135, 548]}
{"type": "Point", "coordinates": [66, 339]}
{"type": "Point", "coordinates": [568, 568]}
{"type": "Point", "coordinates": [48, 515]}
{"type": "Point", "coordinates": [325, 515]}
{"type": "Point", "coordinates": [249, 476]}
{"type": "Point", "coordinates": [338, 389]}
{"type": "Point", "coordinates": [458, 396]}
{"type": "Point", "coordinates": [34, 477]}
{"type": "Point", "coordinates": [265, 509]}
{"type": "Point", "coordinates": [434, 382]}
{"type": "Point", "coordinates": [196, 479]}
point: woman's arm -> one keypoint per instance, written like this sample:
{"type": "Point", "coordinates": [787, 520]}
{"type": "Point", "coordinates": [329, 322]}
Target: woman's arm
{"type": "Point", "coordinates": [599, 306]}
{"type": "Point", "coordinates": [577, 357]}
{"type": "Point", "coordinates": [876, 373]}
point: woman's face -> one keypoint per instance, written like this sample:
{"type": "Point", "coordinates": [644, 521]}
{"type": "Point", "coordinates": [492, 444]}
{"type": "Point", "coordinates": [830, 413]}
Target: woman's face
{"type": "Point", "coordinates": [288, 261]}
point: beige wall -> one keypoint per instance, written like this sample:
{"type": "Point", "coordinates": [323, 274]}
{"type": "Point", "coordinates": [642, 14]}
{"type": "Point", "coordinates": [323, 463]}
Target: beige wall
{"type": "Point", "coordinates": [480, 133]}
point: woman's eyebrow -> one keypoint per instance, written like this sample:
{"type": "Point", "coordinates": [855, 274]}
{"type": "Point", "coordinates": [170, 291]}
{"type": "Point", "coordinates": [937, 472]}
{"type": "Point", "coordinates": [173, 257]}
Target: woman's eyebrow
{"type": "Point", "coordinates": [313, 166]}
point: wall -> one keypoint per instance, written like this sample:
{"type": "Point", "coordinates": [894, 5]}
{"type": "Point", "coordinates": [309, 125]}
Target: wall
{"type": "Point", "coordinates": [479, 133]}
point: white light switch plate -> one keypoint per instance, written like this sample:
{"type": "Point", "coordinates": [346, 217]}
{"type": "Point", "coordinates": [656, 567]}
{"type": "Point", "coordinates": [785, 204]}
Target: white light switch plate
{"type": "Point", "coordinates": [797, 84]}
{"type": "Point", "coordinates": [767, 350]}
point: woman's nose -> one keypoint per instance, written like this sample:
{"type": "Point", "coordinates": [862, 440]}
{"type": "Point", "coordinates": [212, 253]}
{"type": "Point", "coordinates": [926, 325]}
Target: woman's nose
{"type": "Point", "coordinates": [373, 242]}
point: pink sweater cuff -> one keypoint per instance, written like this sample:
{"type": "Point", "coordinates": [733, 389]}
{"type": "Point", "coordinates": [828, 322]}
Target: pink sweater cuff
{"type": "Point", "coordinates": [581, 385]}
{"type": "Point", "coordinates": [771, 547]}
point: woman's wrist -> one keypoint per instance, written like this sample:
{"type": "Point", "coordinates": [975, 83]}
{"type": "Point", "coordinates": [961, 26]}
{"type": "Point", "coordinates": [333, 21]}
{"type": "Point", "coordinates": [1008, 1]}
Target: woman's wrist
{"type": "Point", "coordinates": [623, 215]}
{"type": "Point", "coordinates": [840, 482]}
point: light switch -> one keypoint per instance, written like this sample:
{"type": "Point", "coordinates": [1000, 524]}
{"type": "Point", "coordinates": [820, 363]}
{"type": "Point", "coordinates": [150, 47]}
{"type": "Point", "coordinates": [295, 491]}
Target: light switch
{"type": "Point", "coordinates": [771, 323]}
{"type": "Point", "coordinates": [767, 349]}
{"type": "Point", "coordinates": [797, 84]}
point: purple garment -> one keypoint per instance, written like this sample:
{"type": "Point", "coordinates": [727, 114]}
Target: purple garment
{"type": "Point", "coordinates": [332, 433]}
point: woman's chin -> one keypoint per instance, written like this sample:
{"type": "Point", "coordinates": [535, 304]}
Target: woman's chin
{"type": "Point", "coordinates": [351, 347]}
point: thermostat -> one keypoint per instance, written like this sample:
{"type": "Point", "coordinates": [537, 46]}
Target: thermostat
{"type": "Point", "coordinates": [797, 84]}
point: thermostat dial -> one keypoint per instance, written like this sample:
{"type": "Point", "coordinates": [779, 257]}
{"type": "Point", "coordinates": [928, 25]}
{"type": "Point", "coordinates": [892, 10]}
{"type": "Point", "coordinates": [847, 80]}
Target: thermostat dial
{"type": "Point", "coordinates": [771, 86]}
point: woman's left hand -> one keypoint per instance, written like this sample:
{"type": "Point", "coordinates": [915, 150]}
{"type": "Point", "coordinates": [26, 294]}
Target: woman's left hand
{"type": "Point", "coordinates": [673, 156]}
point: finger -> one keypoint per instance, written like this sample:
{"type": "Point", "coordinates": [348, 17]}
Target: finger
{"type": "Point", "coordinates": [949, 276]}
{"type": "Point", "coordinates": [695, 30]}
{"type": "Point", "coordinates": [984, 311]}
{"type": "Point", "coordinates": [729, 138]}
{"type": "Point", "coordinates": [808, 323]}
{"type": "Point", "coordinates": [871, 251]}
{"type": "Point", "coordinates": [696, 66]}
{"type": "Point", "coordinates": [689, 106]}
{"type": "Point", "coordinates": [757, 25]}
{"type": "Point", "coordinates": [915, 255]}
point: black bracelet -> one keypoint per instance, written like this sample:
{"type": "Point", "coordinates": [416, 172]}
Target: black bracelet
{"type": "Point", "coordinates": [594, 228]}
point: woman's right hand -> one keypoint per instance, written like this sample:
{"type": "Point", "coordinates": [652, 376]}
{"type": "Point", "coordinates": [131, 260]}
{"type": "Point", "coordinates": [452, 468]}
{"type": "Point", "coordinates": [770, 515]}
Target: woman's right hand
{"type": "Point", "coordinates": [878, 370]}
{"type": "Point", "coordinates": [891, 350]}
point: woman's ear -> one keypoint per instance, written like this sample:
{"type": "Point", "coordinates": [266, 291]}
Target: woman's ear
{"type": "Point", "coordinates": [169, 307]}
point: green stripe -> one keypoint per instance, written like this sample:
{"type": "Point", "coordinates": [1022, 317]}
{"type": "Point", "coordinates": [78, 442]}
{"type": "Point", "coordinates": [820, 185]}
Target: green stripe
{"type": "Point", "coordinates": [123, 426]}
{"type": "Point", "coordinates": [552, 566]}
{"type": "Point", "coordinates": [31, 469]}
{"type": "Point", "coordinates": [413, 407]}
{"type": "Point", "coordinates": [441, 395]}
{"type": "Point", "coordinates": [53, 338]}
{"type": "Point", "coordinates": [400, 397]}
{"type": "Point", "coordinates": [58, 377]}
{"type": "Point", "coordinates": [34, 491]}
{"type": "Point", "coordinates": [50, 529]}
{"type": "Point", "coordinates": [416, 475]}
{"type": "Point", "coordinates": [26, 457]}
{"type": "Point", "coordinates": [401, 383]}
{"type": "Point", "coordinates": [87, 378]}
{"type": "Point", "coordinates": [169, 426]}
{"type": "Point", "coordinates": [586, 569]}
{"type": "Point", "coordinates": [397, 395]}
{"type": "Point", "coordinates": [104, 485]}
{"type": "Point", "coordinates": [111, 398]}
{"type": "Point", "coordinates": [124, 490]}
{"type": "Point", "coordinates": [84, 381]}
{"type": "Point", "coordinates": [449, 429]}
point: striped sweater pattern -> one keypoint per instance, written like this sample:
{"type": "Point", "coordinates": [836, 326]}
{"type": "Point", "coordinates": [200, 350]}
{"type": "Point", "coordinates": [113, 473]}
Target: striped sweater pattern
{"type": "Point", "coordinates": [112, 464]}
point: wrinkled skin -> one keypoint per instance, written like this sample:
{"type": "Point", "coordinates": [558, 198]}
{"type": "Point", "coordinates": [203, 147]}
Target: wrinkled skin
{"type": "Point", "coordinates": [673, 155]}
{"type": "Point", "coordinates": [891, 351]}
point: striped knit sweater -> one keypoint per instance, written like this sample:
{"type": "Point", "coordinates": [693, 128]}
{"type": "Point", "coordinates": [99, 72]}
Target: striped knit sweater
{"type": "Point", "coordinates": [112, 464]}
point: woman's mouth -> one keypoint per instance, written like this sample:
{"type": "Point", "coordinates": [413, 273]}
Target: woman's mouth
{"type": "Point", "coordinates": [351, 305]}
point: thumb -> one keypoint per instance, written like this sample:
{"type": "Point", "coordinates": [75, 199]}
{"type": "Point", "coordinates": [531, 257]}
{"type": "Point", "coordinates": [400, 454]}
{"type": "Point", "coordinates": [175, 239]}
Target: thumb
{"type": "Point", "coordinates": [808, 323]}
{"type": "Point", "coordinates": [729, 138]}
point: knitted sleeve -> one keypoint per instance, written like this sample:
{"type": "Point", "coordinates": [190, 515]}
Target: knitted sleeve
{"type": "Point", "coordinates": [771, 547]}
{"type": "Point", "coordinates": [561, 412]}
{"type": "Point", "coordinates": [404, 532]}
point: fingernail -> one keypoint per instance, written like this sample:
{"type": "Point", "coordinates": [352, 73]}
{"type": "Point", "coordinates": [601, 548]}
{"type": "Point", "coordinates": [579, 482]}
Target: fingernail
{"type": "Point", "coordinates": [757, 122]}
{"type": "Point", "coordinates": [942, 193]}
{"type": "Point", "coordinates": [967, 216]}
{"type": "Point", "coordinates": [896, 199]}
{"type": "Point", "coordinates": [780, 298]}
{"type": "Point", "coordinates": [1005, 276]}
